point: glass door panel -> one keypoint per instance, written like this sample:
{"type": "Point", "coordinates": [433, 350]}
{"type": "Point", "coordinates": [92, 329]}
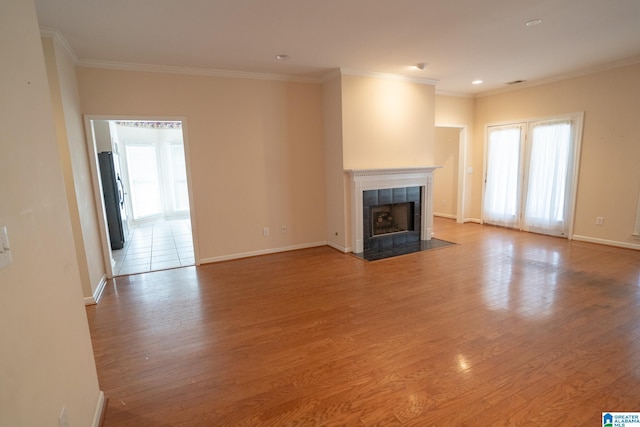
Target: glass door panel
{"type": "Point", "coordinates": [541, 202]}
{"type": "Point", "coordinates": [549, 164]}
{"type": "Point", "coordinates": [502, 183]}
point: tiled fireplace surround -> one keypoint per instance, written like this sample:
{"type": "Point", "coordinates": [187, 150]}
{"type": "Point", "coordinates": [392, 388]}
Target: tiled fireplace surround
{"type": "Point", "coordinates": [389, 196]}
{"type": "Point", "coordinates": [371, 187]}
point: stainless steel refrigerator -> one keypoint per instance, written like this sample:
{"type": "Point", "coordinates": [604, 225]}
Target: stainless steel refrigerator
{"type": "Point", "coordinates": [113, 193]}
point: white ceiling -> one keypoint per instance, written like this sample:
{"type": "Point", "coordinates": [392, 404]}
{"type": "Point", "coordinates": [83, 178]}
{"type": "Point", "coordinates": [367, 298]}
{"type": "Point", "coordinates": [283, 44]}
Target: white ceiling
{"type": "Point", "coordinates": [460, 40]}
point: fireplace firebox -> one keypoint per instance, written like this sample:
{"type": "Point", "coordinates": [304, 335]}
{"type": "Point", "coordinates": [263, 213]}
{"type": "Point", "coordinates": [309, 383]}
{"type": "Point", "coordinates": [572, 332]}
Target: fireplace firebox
{"type": "Point", "coordinates": [391, 218]}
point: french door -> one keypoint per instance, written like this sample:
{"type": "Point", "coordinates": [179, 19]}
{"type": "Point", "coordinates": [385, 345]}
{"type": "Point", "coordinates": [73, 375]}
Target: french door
{"type": "Point", "coordinates": [530, 175]}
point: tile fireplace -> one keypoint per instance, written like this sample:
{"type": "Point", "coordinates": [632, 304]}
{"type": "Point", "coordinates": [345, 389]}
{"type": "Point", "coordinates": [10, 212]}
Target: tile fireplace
{"type": "Point", "coordinates": [391, 205]}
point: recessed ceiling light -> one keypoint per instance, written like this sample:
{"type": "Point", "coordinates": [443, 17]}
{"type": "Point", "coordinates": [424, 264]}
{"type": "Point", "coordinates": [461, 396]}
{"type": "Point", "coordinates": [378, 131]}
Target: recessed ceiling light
{"type": "Point", "coordinates": [421, 65]}
{"type": "Point", "coordinates": [282, 57]}
{"type": "Point", "coordinates": [476, 82]}
{"type": "Point", "coordinates": [533, 22]}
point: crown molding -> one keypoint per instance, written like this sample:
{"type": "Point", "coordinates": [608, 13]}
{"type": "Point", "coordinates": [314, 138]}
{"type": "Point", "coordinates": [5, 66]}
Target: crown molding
{"type": "Point", "coordinates": [385, 76]}
{"type": "Point", "coordinates": [559, 77]}
{"type": "Point", "coordinates": [332, 74]}
{"type": "Point", "coordinates": [167, 69]}
{"type": "Point", "coordinates": [456, 94]}
{"type": "Point", "coordinates": [113, 65]}
{"type": "Point", "coordinates": [58, 38]}
{"type": "Point", "coordinates": [246, 75]}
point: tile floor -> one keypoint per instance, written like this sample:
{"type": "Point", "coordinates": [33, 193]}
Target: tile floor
{"type": "Point", "coordinates": [156, 246]}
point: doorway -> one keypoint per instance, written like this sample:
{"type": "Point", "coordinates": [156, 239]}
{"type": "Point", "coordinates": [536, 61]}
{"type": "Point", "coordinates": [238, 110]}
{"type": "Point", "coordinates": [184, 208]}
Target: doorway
{"type": "Point", "coordinates": [449, 180]}
{"type": "Point", "coordinates": [531, 174]}
{"type": "Point", "coordinates": [151, 172]}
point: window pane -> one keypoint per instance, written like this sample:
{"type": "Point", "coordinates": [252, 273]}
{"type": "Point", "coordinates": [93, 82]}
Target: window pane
{"type": "Point", "coordinates": [143, 176]}
{"type": "Point", "coordinates": [181, 197]}
{"type": "Point", "coordinates": [179, 174]}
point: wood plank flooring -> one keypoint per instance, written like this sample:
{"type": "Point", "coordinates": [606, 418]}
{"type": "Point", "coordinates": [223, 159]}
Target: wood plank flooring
{"type": "Point", "coordinates": [505, 328]}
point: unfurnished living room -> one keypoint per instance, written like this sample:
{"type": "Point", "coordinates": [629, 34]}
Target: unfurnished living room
{"type": "Point", "coordinates": [355, 213]}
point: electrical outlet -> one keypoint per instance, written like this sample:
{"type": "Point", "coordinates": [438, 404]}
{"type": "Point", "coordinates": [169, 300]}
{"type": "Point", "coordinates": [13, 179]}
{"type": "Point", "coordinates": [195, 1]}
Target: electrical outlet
{"type": "Point", "coordinates": [283, 229]}
{"type": "Point", "coordinates": [265, 231]}
{"type": "Point", "coordinates": [599, 220]}
{"type": "Point", "coordinates": [62, 419]}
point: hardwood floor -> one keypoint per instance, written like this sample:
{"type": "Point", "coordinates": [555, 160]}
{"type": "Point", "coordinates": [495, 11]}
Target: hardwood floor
{"type": "Point", "coordinates": [505, 328]}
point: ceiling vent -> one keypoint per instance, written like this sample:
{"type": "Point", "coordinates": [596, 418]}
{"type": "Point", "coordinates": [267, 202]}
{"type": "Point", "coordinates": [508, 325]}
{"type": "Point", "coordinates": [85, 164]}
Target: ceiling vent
{"type": "Point", "coordinates": [516, 82]}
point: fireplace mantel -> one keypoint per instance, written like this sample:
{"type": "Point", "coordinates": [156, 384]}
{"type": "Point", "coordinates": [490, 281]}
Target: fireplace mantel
{"type": "Point", "coordinates": [377, 179]}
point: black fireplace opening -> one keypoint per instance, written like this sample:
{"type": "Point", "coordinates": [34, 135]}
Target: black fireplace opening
{"type": "Point", "coordinates": [391, 218]}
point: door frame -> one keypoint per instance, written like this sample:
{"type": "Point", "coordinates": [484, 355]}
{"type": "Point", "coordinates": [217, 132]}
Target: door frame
{"type": "Point", "coordinates": [462, 166]}
{"type": "Point", "coordinates": [97, 183]}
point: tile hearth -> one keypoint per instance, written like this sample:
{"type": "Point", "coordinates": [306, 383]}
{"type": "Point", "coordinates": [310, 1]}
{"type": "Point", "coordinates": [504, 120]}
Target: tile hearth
{"type": "Point", "coordinates": [392, 250]}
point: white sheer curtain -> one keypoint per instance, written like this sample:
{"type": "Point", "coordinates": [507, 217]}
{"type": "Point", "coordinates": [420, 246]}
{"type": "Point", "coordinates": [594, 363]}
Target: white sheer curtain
{"type": "Point", "coordinates": [549, 166]}
{"type": "Point", "coordinates": [502, 187]}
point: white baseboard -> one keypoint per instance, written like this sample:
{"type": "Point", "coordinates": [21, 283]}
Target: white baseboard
{"type": "Point", "coordinates": [615, 243]}
{"type": "Point", "coordinates": [261, 252]}
{"type": "Point", "coordinates": [100, 408]}
{"type": "Point", "coordinates": [97, 293]}
{"type": "Point", "coordinates": [338, 247]}
{"type": "Point", "coordinates": [100, 288]}
{"type": "Point", "coordinates": [475, 220]}
{"type": "Point", "coordinates": [444, 215]}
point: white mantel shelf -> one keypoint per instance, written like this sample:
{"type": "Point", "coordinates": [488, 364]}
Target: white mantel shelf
{"type": "Point", "coordinates": [378, 179]}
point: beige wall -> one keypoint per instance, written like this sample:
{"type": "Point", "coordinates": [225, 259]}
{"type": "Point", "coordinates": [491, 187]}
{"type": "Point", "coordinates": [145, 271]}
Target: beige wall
{"type": "Point", "coordinates": [609, 176]}
{"type": "Point", "coordinates": [387, 123]}
{"type": "Point", "coordinates": [255, 149]}
{"type": "Point", "coordinates": [460, 112]}
{"type": "Point", "coordinates": [338, 225]}
{"type": "Point", "coordinates": [46, 359]}
{"type": "Point", "coordinates": [454, 111]}
{"type": "Point", "coordinates": [74, 157]}
{"type": "Point", "coordinates": [446, 153]}
{"type": "Point", "coordinates": [371, 123]}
